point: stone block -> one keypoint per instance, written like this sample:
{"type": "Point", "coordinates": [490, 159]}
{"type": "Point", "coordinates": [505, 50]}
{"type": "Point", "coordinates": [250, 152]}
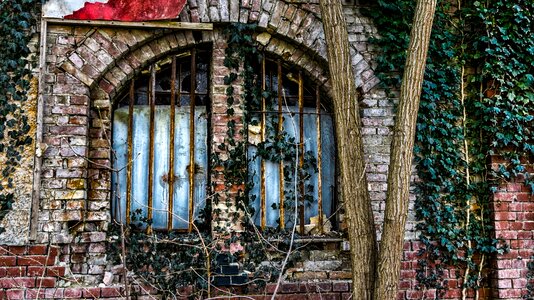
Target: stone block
{"type": "Point", "coordinates": [322, 265]}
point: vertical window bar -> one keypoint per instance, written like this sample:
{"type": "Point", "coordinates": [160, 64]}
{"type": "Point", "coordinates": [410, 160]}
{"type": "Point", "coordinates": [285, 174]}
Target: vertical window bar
{"type": "Point", "coordinates": [179, 96]}
{"type": "Point", "coordinates": [263, 209]}
{"type": "Point", "coordinates": [301, 150]}
{"type": "Point", "coordinates": [171, 145]}
{"type": "Point", "coordinates": [152, 102]}
{"type": "Point", "coordinates": [280, 129]}
{"type": "Point", "coordinates": [192, 139]}
{"type": "Point", "coordinates": [319, 159]}
{"type": "Point", "coordinates": [129, 162]}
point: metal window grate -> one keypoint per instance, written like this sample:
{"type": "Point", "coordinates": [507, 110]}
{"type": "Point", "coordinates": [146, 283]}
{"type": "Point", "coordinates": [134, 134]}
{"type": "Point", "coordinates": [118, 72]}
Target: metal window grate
{"type": "Point", "coordinates": [160, 142]}
{"type": "Point", "coordinates": [296, 105]}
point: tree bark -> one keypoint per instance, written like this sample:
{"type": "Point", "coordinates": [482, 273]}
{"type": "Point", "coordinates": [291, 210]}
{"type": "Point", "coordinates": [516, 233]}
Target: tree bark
{"type": "Point", "coordinates": [353, 182]}
{"type": "Point", "coordinates": [400, 166]}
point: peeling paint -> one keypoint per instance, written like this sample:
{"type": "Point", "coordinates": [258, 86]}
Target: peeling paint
{"type": "Point", "coordinates": [118, 10]}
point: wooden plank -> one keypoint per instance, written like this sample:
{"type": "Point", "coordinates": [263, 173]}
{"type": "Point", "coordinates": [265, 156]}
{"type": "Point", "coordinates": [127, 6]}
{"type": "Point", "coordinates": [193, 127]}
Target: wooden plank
{"type": "Point", "coordinates": [38, 160]}
{"type": "Point", "coordinates": [148, 24]}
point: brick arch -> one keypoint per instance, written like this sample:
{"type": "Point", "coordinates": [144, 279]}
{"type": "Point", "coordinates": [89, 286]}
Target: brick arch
{"type": "Point", "coordinates": [109, 83]}
{"type": "Point", "coordinates": [106, 59]}
{"type": "Point", "coordinates": [298, 22]}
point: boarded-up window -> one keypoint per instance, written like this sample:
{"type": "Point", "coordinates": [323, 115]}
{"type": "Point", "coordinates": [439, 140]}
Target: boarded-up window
{"type": "Point", "coordinates": [294, 107]}
{"type": "Point", "coordinates": [160, 147]}
{"type": "Point", "coordinates": [160, 143]}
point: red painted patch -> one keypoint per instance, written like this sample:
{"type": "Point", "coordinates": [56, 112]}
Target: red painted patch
{"type": "Point", "coordinates": [130, 10]}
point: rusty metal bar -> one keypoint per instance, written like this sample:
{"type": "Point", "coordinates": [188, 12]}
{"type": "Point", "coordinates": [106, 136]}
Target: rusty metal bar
{"type": "Point", "coordinates": [179, 96]}
{"type": "Point", "coordinates": [301, 150]}
{"type": "Point", "coordinates": [152, 102]}
{"type": "Point", "coordinates": [129, 165]}
{"type": "Point", "coordinates": [276, 112]}
{"type": "Point", "coordinates": [171, 144]}
{"type": "Point", "coordinates": [192, 138]}
{"type": "Point", "coordinates": [280, 129]}
{"type": "Point", "coordinates": [319, 159]}
{"type": "Point", "coordinates": [263, 196]}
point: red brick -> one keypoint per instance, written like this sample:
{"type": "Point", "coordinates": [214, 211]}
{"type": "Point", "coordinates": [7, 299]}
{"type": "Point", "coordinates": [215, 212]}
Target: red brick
{"type": "Point", "coordinates": [17, 250]}
{"type": "Point", "coordinates": [509, 293]}
{"type": "Point", "coordinates": [502, 225]}
{"type": "Point", "coordinates": [36, 271]}
{"type": "Point", "coordinates": [36, 260]}
{"type": "Point", "coordinates": [453, 294]}
{"type": "Point", "coordinates": [16, 271]}
{"type": "Point", "coordinates": [414, 295]}
{"type": "Point", "coordinates": [524, 235]}
{"type": "Point", "coordinates": [37, 249]}
{"type": "Point", "coordinates": [525, 216]}
{"type": "Point", "coordinates": [110, 292]}
{"type": "Point", "coordinates": [315, 287]}
{"type": "Point", "coordinates": [54, 293]}
{"type": "Point", "coordinates": [79, 99]}
{"type": "Point", "coordinates": [15, 294]}
{"type": "Point", "coordinates": [430, 294]}
{"type": "Point", "coordinates": [55, 271]}
{"type": "Point", "coordinates": [36, 294]}
{"type": "Point", "coordinates": [404, 285]}
{"type": "Point", "coordinates": [8, 261]}
{"type": "Point", "coordinates": [505, 216]}
{"type": "Point", "coordinates": [292, 297]}
{"type": "Point", "coordinates": [503, 196]}
{"type": "Point", "coordinates": [516, 225]}
{"type": "Point", "coordinates": [91, 293]}
{"type": "Point", "coordinates": [54, 250]}
{"type": "Point", "coordinates": [324, 296]}
{"type": "Point", "coordinates": [504, 283]}
{"type": "Point", "coordinates": [519, 283]}
{"type": "Point", "coordinates": [270, 287]}
{"type": "Point", "coordinates": [504, 264]}
{"type": "Point", "coordinates": [17, 282]}
{"type": "Point", "coordinates": [528, 225]}
{"type": "Point", "coordinates": [72, 293]}
{"type": "Point", "coordinates": [507, 234]}
{"type": "Point", "coordinates": [340, 286]}
{"type": "Point", "coordinates": [514, 187]}
{"type": "Point", "coordinates": [68, 130]}
{"type": "Point", "coordinates": [509, 273]}
{"type": "Point", "coordinates": [46, 282]}
{"type": "Point", "coordinates": [289, 287]}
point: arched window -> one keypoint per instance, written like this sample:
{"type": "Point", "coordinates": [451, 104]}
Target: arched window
{"type": "Point", "coordinates": [160, 143]}
{"type": "Point", "coordinates": [291, 152]}
{"type": "Point", "coordinates": [160, 147]}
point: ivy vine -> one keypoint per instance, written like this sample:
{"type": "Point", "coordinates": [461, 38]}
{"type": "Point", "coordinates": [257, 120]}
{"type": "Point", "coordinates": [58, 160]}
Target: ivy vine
{"type": "Point", "coordinates": [477, 103]}
{"type": "Point", "coordinates": [173, 261]}
{"type": "Point", "coordinates": [17, 19]}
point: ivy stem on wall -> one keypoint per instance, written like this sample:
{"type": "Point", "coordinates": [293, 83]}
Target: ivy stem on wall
{"type": "Point", "coordinates": [467, 179]}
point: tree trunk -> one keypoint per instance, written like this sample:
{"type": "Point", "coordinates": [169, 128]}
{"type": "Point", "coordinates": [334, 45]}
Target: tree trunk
{"type": "Point", "coordinates": [400, 166]}
{"type": "Point", "coordinates": [353, 182]}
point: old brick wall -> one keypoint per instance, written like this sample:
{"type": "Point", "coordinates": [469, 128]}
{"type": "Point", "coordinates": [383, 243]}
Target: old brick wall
{"type": "Point", "coordinates": [513, 214]}
{"type": "Point", "coordinates": [87, 68]}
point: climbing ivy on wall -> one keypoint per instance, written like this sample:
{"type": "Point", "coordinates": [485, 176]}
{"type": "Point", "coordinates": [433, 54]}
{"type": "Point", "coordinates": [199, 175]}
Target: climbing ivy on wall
{"type": "Point", "coordinates": [198, 256]}
{"type": "Point", "coordinates": [477, 103]}
{"type": "Point", "coordinates": [17, 19]}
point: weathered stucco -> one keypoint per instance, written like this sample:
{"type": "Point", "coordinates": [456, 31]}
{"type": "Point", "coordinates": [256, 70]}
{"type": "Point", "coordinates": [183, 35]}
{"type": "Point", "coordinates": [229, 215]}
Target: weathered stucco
{"type": "Point", "coordinates": [17, 221]}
